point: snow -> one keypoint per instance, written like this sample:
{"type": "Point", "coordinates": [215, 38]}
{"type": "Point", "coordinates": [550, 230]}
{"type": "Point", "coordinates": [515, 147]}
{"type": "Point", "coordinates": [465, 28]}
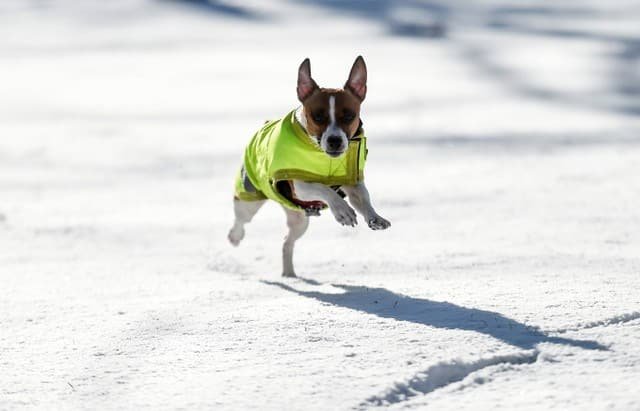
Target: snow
{"type": "Point", "coordinates": [504, 148]}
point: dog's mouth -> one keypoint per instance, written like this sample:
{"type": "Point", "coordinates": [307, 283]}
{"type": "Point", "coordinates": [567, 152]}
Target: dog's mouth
{"type": "Point", "coordinates": [334, 154]}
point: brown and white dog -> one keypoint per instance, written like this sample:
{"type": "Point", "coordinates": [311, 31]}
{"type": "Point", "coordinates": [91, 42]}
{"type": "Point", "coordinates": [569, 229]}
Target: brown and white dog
{"type": "Point", "coordinates": [330, 118]}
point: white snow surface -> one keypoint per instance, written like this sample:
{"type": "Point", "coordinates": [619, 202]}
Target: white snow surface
{"type": "Point", "coordinates": [504, 148]}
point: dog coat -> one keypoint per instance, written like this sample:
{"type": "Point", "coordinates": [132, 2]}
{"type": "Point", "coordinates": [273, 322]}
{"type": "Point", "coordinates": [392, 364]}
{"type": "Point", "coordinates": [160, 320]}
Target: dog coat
{"type": "Point", "coordinates": [282, 151]}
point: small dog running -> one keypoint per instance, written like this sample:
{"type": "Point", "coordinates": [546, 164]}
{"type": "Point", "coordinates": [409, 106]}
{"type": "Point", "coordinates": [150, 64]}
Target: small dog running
{"type": "Point", "coordinates": [309, 160]}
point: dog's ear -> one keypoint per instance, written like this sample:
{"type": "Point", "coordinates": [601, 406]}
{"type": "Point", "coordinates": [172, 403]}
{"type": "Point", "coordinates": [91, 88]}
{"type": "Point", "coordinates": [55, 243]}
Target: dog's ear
{"type": "Point", "coordinates": [357, 83]}
{"type": "Point", "coordinates": [306, 85]}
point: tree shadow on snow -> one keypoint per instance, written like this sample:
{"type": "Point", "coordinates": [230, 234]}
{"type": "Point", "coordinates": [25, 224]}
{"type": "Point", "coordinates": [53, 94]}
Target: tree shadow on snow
{"type": "Point", "coordinates": [440, 314]}
{"type": "Point", "coordinates": [406, 18]}
{"type": "Point", "coordinates": [220, 8]}
{"type": "Point", "coordinates": [552, 21]}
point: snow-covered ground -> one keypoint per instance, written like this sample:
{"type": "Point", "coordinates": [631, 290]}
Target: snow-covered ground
{"type": "Point", "coordinates": [504, 148]}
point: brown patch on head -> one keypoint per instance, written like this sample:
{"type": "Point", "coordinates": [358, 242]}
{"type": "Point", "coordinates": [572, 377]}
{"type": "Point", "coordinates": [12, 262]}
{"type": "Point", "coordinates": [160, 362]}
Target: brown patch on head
{"type": "Point", "coordinates": [318, 116]}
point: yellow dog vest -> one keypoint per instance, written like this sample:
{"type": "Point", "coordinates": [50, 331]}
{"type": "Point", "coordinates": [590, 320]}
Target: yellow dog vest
{"type": "Point", "coordinates": [282, 151]}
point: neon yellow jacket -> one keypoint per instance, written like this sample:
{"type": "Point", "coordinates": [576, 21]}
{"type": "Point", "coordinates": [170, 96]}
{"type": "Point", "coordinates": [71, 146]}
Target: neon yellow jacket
{"type": "Point", "coordinates": [281, 150]}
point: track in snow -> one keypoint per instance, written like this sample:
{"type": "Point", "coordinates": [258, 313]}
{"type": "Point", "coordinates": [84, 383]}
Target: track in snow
{"type": "Point", "coordinates": [442, 374]}
{"type": "Point", "coordinates": [618, 319]}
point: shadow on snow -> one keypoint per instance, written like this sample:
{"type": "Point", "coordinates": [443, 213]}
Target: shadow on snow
{"type": "Point", "coordinates": [440, 20]}
{"type": "Point", "coordinates": [218, 7]}
{"type": "Point", "coordinates": [387, 304]}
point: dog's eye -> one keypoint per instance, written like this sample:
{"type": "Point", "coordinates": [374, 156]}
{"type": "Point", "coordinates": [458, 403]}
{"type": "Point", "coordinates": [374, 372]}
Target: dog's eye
{"type": "Point", "coordinates": [348, 117]}
{"type": "Point", "coordinates": [318, 117]}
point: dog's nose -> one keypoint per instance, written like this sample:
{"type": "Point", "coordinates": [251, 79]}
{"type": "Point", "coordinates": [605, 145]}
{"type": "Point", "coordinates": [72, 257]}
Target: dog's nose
{"type": "Point", "coordinates": [334, 143]}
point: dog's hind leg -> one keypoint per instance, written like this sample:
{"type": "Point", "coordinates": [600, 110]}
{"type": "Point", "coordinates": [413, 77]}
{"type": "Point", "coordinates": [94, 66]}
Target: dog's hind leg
{"type": "Point", "coordinates": [297, 222]}
{"type": "Point", "coordinates": [244, 212]}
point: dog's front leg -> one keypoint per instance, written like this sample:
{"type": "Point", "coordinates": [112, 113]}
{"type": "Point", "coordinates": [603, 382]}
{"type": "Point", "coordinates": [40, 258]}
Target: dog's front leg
{"type": "Point", "coordinates": [343, 213]}
{"type": "Point", "coordinates": [360, 200]}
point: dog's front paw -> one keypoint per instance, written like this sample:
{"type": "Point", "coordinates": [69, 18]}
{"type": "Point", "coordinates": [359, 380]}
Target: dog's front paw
{"type": "Point", "coordinates": [378, 223]}
{"type": "Point", "coordinates": [344, 214]}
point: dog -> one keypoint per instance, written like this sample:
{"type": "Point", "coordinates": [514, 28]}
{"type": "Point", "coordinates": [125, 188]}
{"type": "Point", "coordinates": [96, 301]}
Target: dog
{"type": "Point", "coordinates": [308, 161]}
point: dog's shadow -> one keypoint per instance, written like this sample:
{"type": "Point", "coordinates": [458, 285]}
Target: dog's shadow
{"type": "Point", "coordinates": [387, 304]}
